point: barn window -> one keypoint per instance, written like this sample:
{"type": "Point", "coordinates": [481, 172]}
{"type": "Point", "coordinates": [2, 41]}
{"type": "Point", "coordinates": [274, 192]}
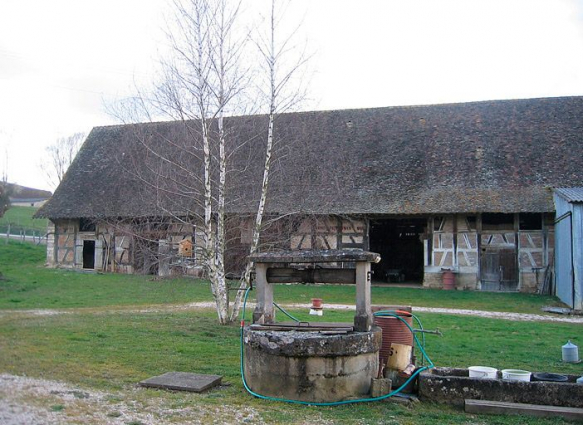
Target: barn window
{"type": "Point", "coordinates": [471, 222]}
{"type": "Point", "coordinates": [86, 225]}
{"type": "Point", "coordinates": [495, 221]}
{"type": "Point", "coordinates": [531, 221]}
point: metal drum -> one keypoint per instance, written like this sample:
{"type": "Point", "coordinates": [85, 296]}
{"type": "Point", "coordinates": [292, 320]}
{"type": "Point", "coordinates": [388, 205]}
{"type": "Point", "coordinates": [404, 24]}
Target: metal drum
{"type": "Point", "coordinates": [394, 331]}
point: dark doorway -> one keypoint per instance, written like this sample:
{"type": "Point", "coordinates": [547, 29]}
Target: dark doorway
{"type": "Point", "coordinates": [88, 254]}
{"type": "Point", "coordinates": [401, 248]}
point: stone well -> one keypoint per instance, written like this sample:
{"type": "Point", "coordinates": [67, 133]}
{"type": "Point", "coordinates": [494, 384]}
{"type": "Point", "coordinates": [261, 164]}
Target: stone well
{"type": "Point", "coordinates": [312, 362]}
{"type": "Point", "coordinates": [310, 366]}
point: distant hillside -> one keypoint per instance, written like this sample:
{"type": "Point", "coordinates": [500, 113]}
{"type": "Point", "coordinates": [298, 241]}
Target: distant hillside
{"type": "Point", "coordinates": [22, 192]}
{"type": "Point", "coordinates": [20, 219]}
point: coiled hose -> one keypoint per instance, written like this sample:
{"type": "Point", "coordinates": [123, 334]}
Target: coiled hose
{"type": "Point", "coordinates": [382, 313]}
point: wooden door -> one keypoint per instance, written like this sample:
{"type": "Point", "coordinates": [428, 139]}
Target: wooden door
{"type": "Point", "coordinates": [490, 270]}
{"type": "Point", "coordinates": [498, 270]}
{"type": "Point", "coordinates": [508, 270]}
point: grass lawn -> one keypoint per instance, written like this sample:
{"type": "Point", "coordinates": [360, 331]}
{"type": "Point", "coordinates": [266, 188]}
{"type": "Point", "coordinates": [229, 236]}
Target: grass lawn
{"type": "Point", "coordinates": [31, 285]}
{"type": "Point", "coordinates": [21, 217]}
{"type": "Point", "coordinates": [113, 351]}
{"type": "Point", "coordinates": [109, 349]}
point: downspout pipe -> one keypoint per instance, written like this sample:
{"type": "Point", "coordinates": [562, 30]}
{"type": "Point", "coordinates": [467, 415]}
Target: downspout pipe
{"type": "Point", "coordinates": [569, 214]}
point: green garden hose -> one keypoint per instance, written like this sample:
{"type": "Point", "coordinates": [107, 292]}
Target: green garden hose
{"type": "Point", "coordinates": [383, 313]}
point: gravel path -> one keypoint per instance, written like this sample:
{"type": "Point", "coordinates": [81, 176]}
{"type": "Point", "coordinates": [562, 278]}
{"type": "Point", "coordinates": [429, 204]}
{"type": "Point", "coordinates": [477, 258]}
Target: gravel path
{"type": "Point", "coordinates": [524, 317]}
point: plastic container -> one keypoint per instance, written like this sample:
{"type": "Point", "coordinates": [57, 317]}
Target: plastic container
{"type": "Point", "coordinates": [580, 381]}
{"type": "Point", "coordinates": [570, 353]}
{"type": "Point", "coordinates": [549, 377]}
{"type": "Point", "coordinates": [516, 375]}
{"type": "Point", "coordinates": [483, 372]}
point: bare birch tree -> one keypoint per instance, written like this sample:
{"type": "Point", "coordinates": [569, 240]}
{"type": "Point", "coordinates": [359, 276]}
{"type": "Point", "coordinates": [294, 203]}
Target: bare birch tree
{"type": "Point", "coordinates": [204, 81]}
{"type": "Point", "coordinates": [281, 62]}
{"type": "Point", "coordinates": [59, 156]}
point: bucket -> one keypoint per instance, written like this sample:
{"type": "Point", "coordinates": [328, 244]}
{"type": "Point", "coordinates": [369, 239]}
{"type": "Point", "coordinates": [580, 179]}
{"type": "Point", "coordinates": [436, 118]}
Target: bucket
{"type": "Point", "coordinates": [570, 353]}
{"type": "Point", "coordinates": [516, 375]}
{"type": "Point", "coordinates": [483, 372]}
{"type": "Point", "coordinates": [316, 302]}
{"type": "Point", "coordinates": [448, 279]}
{"type": "Point", "coordinates": [399, 356]}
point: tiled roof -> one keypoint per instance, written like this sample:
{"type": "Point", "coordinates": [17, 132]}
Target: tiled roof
{"type": "Point", "coordinates": [493, 156]}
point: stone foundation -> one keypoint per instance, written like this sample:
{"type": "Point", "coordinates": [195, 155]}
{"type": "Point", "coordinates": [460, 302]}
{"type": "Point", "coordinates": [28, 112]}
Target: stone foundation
{"type": "Point", "coordinates": [466, 281]}
{"type": "Point", "coordinates": [432, 280]}
{"type": "Point", "coordinates": [462, 280]}
{"type": "Point", "coordinates": [528, 281]}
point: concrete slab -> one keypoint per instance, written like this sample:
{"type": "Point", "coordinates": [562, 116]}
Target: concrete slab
{"type": "Point", "coordinates": [183, 381]}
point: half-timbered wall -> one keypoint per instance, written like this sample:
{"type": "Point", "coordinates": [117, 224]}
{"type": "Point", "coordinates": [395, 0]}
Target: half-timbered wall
{"type": "Point", "coordinates": [328, 232]}
{"type": "Point", "coordinates": [51, 245]}
{"type": "Point", "coordinates": [536, 252]}
{"type": "Point", "coordinates": [65, 242]}
{"type": "Point", "coordinates": [488, 257]}
{"type": "Point", "coordinates": [115, 248]}
{"type": "Point", "coordinates": [453, 245]}
{"type": "Point", "coordinates": [454, 242]}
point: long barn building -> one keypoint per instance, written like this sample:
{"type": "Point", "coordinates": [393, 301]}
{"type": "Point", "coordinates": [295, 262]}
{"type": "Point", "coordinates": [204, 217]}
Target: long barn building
{"type": "Point", "coordinates": [464, 187]}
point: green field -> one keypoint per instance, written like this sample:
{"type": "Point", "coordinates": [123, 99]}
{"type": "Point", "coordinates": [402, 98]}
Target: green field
{"type": "Point", "coordinates": [31, 285]}
{"type": "Point", "coordinates": [106, 338]}
{"type": "Point", "coordinates": [20, 218]}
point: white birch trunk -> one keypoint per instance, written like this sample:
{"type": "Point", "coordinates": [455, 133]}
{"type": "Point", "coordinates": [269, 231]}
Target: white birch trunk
{"type": "Point", "coordinates": [245, 282]}
{"type": "Point", "coordinates": [221, 289]}
{"type": "Point", "coordinates": [221, 295]}
{"type": "Point", "coordinates": [208, 209]}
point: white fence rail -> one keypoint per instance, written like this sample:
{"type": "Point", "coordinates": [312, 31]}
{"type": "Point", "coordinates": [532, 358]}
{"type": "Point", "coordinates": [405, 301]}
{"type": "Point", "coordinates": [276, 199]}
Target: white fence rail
{"type": "Point", "coordinates": [23, 234]}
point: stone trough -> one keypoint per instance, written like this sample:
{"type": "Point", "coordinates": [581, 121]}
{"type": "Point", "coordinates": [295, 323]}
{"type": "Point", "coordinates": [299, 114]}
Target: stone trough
{"type": "Point", "coordinates": [312, 362]}
{"type": "Point", "coordinates": [453, 386]}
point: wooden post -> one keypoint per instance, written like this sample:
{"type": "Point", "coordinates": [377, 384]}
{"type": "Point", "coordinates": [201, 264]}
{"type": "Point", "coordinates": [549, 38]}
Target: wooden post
{"type": "Point", "coordinates": [164, 257]}
{"type": "Point", "coordinates": [363, 319]}
{"type": "Point", "coordinates": [280, 265]}
{"type": "Point", "coordinates": [264, 312]}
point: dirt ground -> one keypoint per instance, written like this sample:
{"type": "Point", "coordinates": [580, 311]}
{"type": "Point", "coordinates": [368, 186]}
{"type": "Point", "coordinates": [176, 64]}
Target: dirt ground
{"type": "Point", "coordinates": [29, 401]}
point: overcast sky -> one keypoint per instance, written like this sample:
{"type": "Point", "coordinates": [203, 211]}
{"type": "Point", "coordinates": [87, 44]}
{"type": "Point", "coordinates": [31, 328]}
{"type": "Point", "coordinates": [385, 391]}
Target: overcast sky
{"type": "Point", "coordinates": [63, 61]}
